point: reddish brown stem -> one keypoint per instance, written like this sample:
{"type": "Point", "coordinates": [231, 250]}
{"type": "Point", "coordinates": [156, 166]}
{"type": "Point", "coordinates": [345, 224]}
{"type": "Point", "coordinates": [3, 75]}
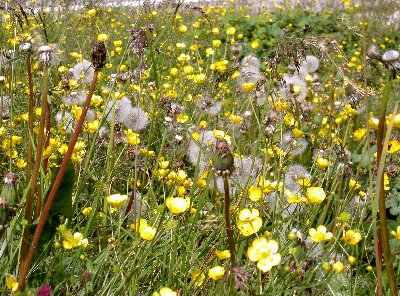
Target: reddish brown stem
{"type": "Point", "coordinates": [30, 121]}
{"type": "Point", "coordinates": [131, 199]}
{"type": "Point", "coordinates": [36, 168]}
{"type": "Point", "coordinates": [25, 264]}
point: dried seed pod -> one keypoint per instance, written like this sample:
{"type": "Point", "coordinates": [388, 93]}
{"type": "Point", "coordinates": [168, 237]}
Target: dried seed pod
{"type": "Point", "coordinates": [98, 55]}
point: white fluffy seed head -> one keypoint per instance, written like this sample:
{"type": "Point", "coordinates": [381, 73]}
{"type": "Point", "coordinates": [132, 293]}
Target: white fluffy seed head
{"type": "Point", "coordinates": [83, 72]}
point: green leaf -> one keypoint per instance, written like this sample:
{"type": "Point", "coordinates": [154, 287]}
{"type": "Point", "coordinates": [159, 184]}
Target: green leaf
{"type": "Point", "coordinates": [62, 204]}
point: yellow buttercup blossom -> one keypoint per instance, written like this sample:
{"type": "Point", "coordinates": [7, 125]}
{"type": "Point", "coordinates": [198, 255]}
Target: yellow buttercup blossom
{"type": "Point", "coordinates": [320, 234]}
{"type": "Point", "coordinates": [315, 195]}
{"type": "Point", "coordinates": [102, 37]}
{"type": "Point", "coordinates": [394, 146]}
{"type": "Point", "coordinates": [352, 237]}
{"type": "Point", "coordinates": [197, 277]}
{"type": "Point", "coordinates": [338, 267]}
{"type": "Point", "coordinates": [249, 221]}
{"type": "Point", "coordinates": [147, 232]}
{"type": "Point", "coordinates": [216, 273]}
{"type": "Point", "coordinates": [248, 86]}
{"type": "Point", "coordinates": [265, 253]}
{"type": "Point", "coordinates": [11, 283]}
{"type": "Point", "coordinates": [223, 254]}
{"type": "Point", "coordinates": [396, 233]}
{"type": "Point", "coordinates": [353, 184]}
{"type": "Point", "coordinates": [177, 205]}
{"type": "Point", "coordinates": [255, 193]}
{"type": "Point", "coordinates": [360, 134]}
{"type": "Point", "coordinates": [116, 200]}
{"type": "Point", "coordinates": [131, 137]}
{"type": "Point", "coordinates": [322, 163]}
{"type": "Point", "coordinates": [165, 292]}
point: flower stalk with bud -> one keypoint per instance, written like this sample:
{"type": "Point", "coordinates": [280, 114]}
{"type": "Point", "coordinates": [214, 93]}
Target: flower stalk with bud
{"type": "Point", "coordinates": [98, 56]}
{"type": "Point", "coordinates": [223, 163]}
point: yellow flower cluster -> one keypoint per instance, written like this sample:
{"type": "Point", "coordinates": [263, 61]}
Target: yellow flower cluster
{"type": "Point", "coordinates": [146, 231]}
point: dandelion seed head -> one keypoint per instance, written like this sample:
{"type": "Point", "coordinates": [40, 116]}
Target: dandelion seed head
{"type": "Point", "coordinates": [207, 103]}
{"type": "Point", "coordinates": [76, 97]}
{"type": "Point", "coordinates": [293, 174]}
{"type": "Point", "coordinates": [310, 64]}
{"type": "Point", "coordinates": [295, 145]}
{"type": "Point", "coordinates": [83, 72]}
{"type": "Point", "coordinates": [6, 102]}
{"type": "Point", "coordinates": [66, 120]}
{"type": "Point", "coordinates": [293, 86]}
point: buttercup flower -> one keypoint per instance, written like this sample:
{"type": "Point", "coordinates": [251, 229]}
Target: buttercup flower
{"type": "Point", "coordinates": [116, 200]}
{"type": "Point", "coordinates": [177, 205]}
{"type": "Point", "coordinates": [216, 273]}
{"type": "Point", "coordinates": [264, 252]}
{"type": "Point", "coordinates": [396, 233]}
{"type": "Point", "coordinates": [320, 234]}
{"type": "Point", "coordinates": [249, 221]}
{"type": "Point", "coordinates": [352, 237]}
{"type": "Point", "coordinates": [197, 277]}
{"type": "Point", "coordinates": [315, 195]}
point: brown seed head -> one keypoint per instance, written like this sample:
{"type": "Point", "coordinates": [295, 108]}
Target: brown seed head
{"type": "Point", "coordinates": [98, 55]}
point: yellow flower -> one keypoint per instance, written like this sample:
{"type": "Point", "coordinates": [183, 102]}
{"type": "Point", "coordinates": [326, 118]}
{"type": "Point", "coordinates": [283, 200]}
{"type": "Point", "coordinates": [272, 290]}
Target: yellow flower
{"type": "Point", "coordinates": [177, 205]}
{"type": "Point", "coordinates": [353, 184]}
{"type": "Point", "coordinates": [396, 233]}
{"type": "Point", "coordinates": [165, 292]}
{"type": "Point", "coordinates": [116, 200]}
{"type": "Point", "coordinates": [224, 254]}
{"type": "Point", "coordinates": [255, 193]}
{"type": "Point", "coordinates": [394, 146]}
{"type": "Point", "coordinates": [183, 28]}
{"type": "Point", "coordinates": [289, 119]}
{"type": "Point", "coordinates": [248, 86]}
{"type": "Point", "coordinates": [11, 283]}
{"type": "Point", "coordinates": [322, 163]}
{"type": "Point", "coordinates": [235, 119]}
{"type": "Point", "coordinates": [360, 134]}
{"type": "Point", "coordinates": [352, 237]}
{"type": "Point", "coordinates": [197, 277]}
{"type": "Point", "coordinates": [255, 44]}
{"type": "Point", "coordinates": [351, 259]}
{"type": "Point", "coordinates": [315, 195]}
{"type": "Point", "coordinates": [294, 197]}
{"type": "Point", "coordinates": [320, 234]}
{"type": "Point", "coordinates": [147, 232]}
{"type": "Point", "coordinates": [264, 252]}
{"type": "Point", "coordinates": [216, 273]}
{"type": "Point", "coordinates": [249, 221]}
{"type": "Point", "coordinates": [373, 123]}
{"type": "Point", "coordinates": [338, 266]}
{"type": "Point", "coordinates": [87, 211]}
{"type": "Point", "coordinates": [231, 31]}
{"type": "Point", "coordinates": [72, 240]}
{"type": "Point", "coordinates": [396, 121]}
{"type": "Point", "coordinates": [297, 133]}
{"type": "Point", "coordinates": [102, 37]}
{"type": "Point", "coordinates": [132, 138]}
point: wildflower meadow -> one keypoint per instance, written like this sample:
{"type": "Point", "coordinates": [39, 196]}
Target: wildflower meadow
{"type": "Point", "coordinates": [180, 147]}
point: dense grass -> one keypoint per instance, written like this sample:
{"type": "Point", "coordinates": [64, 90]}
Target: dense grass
{"type": "Point", "coordinates": [283, 105]}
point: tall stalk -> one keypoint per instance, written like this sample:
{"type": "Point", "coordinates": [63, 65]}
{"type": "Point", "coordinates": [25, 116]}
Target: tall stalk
{"type": "Point", "coordinates": [98, 55]}
{"type": "Point", "coordinates": [228, 226]}
{"type": "Point", "coordinates": [36, 167]}
{"type": "Point", "coordinates": [384, 234]}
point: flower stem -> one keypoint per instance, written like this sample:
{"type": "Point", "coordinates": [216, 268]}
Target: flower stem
{"type": "Point", "coordinates": [36, 167]}
{"type": "Point", "coordinates": [228, 227]}
{"type": "Point", "coordinates": [26, 263]}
